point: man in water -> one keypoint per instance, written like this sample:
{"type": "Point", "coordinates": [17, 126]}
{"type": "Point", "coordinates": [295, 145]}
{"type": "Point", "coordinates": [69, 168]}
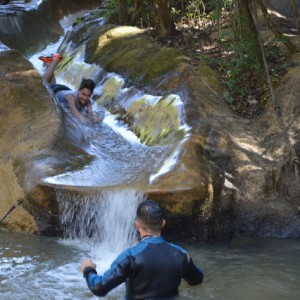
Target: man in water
{"type": "Point", "coordinates": [79, 101]}
{"type": "Point", "coordinates": [152, 269]}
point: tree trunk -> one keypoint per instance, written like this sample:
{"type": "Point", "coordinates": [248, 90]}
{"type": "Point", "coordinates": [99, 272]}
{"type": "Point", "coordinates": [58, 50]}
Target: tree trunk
{"type": "Point", "coordinates": [122, 12]}
{"type": "Point", "coordinates": [134, 12]}
{"type": "Point", "coordinates": [162, 17]}
{"type": "Point", "coordinates": [248, 36]}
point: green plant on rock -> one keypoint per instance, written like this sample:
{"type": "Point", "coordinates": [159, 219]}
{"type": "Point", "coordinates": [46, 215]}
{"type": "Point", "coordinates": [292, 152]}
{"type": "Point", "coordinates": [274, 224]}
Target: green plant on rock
{"type": "Point", "coordinates": [112, 9]}
{"type": "Point", "coordinates": [130, 12]}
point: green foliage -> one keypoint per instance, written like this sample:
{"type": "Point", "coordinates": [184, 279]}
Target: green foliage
{"type": "Point", "coordinates": [239, 64]}
{"type": "Point", "coordinates": [194, 11]}
{"type": "Point", "coordinates": [272, 53]}
{"type": "Point", "coordinates": [143, 14]}
{"type": "Point", "coordinates": [219, 5]}
{"type": "Point", "coordinates": [112, 9]}
{"type": "Point", "coordinates": [217, 9]}
{"type": "Point", "coordinates": [140, 13]}
{"type": "Point", "coordinates": [176, 13]}
{"type": "Point", "coordinates": [97, 13]}
{"type": "Point", "coordinates": [247, 89]}
{"type": "Point", "coordinates": [241, 72]}
{"type": "Point", "coordinates": [196, 6]}
{"type": "Point", "coordinates": [246, 61]}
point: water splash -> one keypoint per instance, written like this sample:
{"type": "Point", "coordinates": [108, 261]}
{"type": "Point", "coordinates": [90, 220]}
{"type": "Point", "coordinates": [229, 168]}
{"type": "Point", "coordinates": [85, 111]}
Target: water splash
{"type": "Point", "coordinates": [105, 217]}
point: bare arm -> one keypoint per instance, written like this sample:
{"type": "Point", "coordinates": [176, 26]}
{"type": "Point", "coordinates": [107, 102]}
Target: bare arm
{"type": "Point", "coordinates": [72, 105]}
{"type": "Point", "coordinates": [91, 114]}
{"type": "Point", "coordinates": [90, 111]}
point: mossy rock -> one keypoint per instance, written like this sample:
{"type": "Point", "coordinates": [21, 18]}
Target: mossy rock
{"type": "Point", "coordinates": [130, 51]}
{"type": "Point", "coordinates": [156, 123]}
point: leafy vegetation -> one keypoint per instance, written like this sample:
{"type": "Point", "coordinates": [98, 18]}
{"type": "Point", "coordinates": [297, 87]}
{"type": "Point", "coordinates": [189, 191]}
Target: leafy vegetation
{"type": "Point", "coordinates": [223, 32]}
{"type": "Point", "coordinates": [213, 39]}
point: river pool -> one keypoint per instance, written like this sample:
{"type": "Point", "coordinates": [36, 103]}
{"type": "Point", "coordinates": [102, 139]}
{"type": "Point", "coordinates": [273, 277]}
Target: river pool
{"type": "Point", "coordinates": [37, 267]}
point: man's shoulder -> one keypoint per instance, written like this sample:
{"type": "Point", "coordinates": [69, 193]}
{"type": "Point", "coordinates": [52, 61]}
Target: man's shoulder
{"type": "Point", "coordinates": [64, 93]}
{"type": "Point", "coordinates": [160, 241]}
{"type": "Point", "coordinates": [177, 247]}
{"type": "Point", "coordinates": [136, 249]}
{"type": "Point", "coordinates": [132, 251]}
{"type": "Point", "coordinates": [70, 93]}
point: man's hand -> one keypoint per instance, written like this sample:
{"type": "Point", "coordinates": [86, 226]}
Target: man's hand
{"type": "Point", "coordinates": [87, 263]}
{"type": "Point", "coordinates": [96, 119]}
{"type": "Point", "coordinates": [85, 120]}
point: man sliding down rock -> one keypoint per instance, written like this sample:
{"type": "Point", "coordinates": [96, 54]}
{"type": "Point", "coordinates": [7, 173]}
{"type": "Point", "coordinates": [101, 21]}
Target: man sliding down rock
{"type": "Point", "coordinates": [79, 101]}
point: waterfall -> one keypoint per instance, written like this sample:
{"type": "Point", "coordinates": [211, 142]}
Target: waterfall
{"type": "Point", "coordinates": [105, 217]}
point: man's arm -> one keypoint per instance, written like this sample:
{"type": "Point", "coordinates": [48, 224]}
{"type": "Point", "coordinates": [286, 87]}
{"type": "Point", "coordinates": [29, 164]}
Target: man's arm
{"type": "Point", "coordinates": [72, 105]}
{"type": "Point", "coordinates": [91, 114]}
{"type": "Point", "coordinates": [101, 285]}
{"type": "Point", "coordinates": [193, 275]}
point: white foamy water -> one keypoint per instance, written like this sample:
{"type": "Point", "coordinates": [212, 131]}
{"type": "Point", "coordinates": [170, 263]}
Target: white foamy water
{"type": "Point", "coordinates": [98, 226]}
{"type": "Point", "coordinates": [105, 217]}
{"type": "Point", "coordinates": [112, 121]}
{"type": "Point", "coordinates": [101, 224]}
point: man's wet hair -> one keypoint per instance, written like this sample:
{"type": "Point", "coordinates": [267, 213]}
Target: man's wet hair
{"type": "Point", "coordinates": [87, 84]}
{"type": "Point", "coordinates": [151, 214]}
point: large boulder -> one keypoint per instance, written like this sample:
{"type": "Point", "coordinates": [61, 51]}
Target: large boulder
{"type": "Point", "coordinates": [29, 129]}
{"type": "Point", "coordinates": [31, 25]}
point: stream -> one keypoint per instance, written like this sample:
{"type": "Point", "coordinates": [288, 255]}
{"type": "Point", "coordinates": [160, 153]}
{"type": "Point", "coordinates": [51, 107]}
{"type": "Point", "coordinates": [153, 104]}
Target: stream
{"type": "Point", "coordinates": [36, 267]}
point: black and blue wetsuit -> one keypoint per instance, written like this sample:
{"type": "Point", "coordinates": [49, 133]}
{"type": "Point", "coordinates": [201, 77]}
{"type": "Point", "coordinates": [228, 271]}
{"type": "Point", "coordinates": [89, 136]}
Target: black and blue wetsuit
{"type": "Point", "coordinates": [152, 269]}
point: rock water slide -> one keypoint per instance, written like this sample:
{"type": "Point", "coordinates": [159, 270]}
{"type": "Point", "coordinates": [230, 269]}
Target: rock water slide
{"type": "Point", "coordinates": [217, 174]}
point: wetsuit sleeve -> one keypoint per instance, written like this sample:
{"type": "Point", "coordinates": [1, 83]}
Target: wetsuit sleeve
{"type": "Point", "coordinates": [117, 274]}
{"type": "Point", "coordinates": [193, 275]}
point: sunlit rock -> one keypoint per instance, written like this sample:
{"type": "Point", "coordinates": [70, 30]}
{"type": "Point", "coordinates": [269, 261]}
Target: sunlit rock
{"type": "Point", "coordinates": [29, 130]}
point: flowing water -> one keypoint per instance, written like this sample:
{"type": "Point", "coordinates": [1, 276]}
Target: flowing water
{"type": "Point", "coordinates": [35, 267]}
{"type": "Point", "coordinates": [114, 154]}
{"type": "Point", "coordinates": [100, 225]}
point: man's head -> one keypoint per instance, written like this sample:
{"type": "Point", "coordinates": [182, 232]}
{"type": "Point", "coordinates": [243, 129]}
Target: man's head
{"type": "Point", "coordinates": [85, 90]}
{"type": "Point", "coordinates": [149, 217]}
{"type": "Point", "coordinates": [87, 84]}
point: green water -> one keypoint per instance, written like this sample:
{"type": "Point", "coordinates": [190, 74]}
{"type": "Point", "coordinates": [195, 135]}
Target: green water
{"type": "Point", "coordinates": [35, 267]}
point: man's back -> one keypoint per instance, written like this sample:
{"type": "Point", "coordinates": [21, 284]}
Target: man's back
{"type": "Point", "coordinates": [157, 268]}
{"type": "Point", "coordinates": [151, 269]}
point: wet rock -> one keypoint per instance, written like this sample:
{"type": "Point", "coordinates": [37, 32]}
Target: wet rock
{"type": "Point", "coordinates": [243, 164]}
{"type": "Point", "coordinates": [29, 128]}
